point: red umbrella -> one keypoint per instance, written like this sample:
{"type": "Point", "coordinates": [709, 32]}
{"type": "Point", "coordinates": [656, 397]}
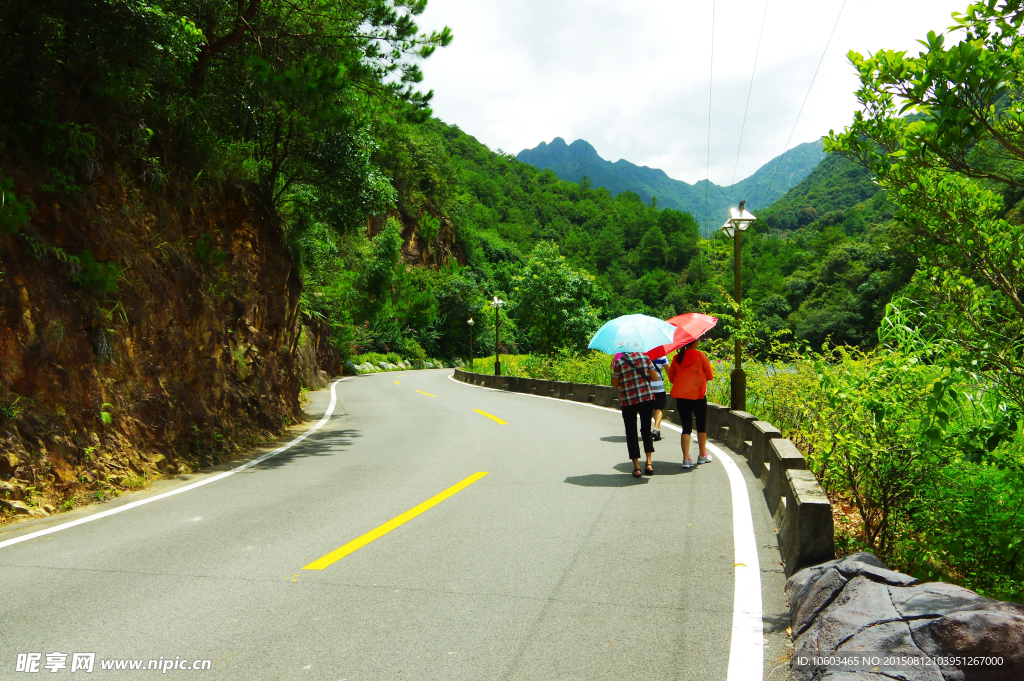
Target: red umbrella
{"type": "Point", "coordinates": [689, 327]}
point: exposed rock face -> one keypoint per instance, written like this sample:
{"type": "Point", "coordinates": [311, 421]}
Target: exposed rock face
{"type": "Point", "coordinates": [416, 251]}
{"type": "Point", "coordinates": [857, 605]}
{"type": "Point", "coordinates": [310, 373]}
{"type": "Point", "coordinates": [193, 351]}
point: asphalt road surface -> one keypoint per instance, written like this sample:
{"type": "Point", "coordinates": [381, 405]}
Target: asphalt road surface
{"type": "Point", "coordinates": [324, 561]}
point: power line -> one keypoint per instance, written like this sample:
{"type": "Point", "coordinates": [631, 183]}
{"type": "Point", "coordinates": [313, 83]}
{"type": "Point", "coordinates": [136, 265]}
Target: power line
{"type": "Point", "coordinates": [707, 170]}
{"type": "Point", "coordinates": [746, 107]}
{"type": "Point", "coordinates": [711, 81]}
{"type": "Point", "coordinates": [786, 148]}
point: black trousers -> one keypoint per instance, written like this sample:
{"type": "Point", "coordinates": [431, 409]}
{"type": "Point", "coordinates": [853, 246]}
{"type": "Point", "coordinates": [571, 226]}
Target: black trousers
{"type": "Point", "coordinates": [629, 414]}
{"type": "Point", "coordinates": [690, 410]}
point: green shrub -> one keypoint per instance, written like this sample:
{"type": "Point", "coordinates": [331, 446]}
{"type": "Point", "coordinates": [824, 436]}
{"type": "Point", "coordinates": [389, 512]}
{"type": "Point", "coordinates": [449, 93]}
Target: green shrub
{"type": "Point", "coordinates": [565, 365]}
{"type": "Point", "coordinates": [207, 253]}
{"type": "Point", "coordinates": [414, 351]}
{"type": "Point", "coordinates": [96, 277]}
{"type": "Point", "coordinates": [13, 213]}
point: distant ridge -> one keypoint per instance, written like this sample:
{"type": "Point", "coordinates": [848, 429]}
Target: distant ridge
{"type": "Point", "coordinates": [574, 161]}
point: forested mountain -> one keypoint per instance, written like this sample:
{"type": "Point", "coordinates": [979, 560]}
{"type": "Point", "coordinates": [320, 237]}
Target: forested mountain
{"type": "Point", "coordinates": [826, 258]}
{"type": "Point", "coordinates": [829, 274]}
{"type": "Point", "coordinates": [835, 184]}
{"type": "Point", "coordinates": [580, 160]}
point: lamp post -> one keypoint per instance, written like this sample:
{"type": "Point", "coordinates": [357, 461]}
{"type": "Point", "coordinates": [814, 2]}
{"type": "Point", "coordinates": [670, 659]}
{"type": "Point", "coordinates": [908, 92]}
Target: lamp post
{"type": "Point", "coordinates": [497, 304]}
{"type": "Point", "coordinates": [470, 322]}
{"type": "Point", "coordinates": [738, 222]}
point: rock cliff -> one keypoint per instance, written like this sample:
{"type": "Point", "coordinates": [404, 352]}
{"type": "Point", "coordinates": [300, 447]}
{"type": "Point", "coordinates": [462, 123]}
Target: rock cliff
{"type": "Point", "coordinates": [144, 330]}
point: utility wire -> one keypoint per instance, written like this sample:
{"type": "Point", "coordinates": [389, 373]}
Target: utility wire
{"type": "Point", "coordinates": [711, 81]}
{"type": "Point", "coordinates": [703, 246]}
{"type": "Point", "coordinates": [786, 148]}
{"type": "Point", "coordinates": [746, 108]}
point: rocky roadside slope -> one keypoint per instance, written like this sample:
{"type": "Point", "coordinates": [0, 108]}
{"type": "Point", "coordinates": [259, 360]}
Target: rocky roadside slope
{"type": "Point", "coordinates": [145, 330]}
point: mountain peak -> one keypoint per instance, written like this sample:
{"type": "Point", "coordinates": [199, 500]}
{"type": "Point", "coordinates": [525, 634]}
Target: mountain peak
{"type": "Point", "coordinates": [573, 161]}
{"type": "Point", "coordinates": [557, 152]}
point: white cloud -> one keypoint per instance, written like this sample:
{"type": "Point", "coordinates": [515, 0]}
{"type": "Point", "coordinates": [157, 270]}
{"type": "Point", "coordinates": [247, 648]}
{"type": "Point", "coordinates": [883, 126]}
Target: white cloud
{"type": "Point", "coordinates": [631, 76]}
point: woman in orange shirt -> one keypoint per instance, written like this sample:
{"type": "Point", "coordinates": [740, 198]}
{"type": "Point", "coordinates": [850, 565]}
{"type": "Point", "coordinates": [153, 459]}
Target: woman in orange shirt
{"type": "Point", "coordinates": [690, 372]}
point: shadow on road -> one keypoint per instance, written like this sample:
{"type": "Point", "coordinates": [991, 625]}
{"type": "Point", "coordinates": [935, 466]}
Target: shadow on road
{"type": "Point", "coordinates": [320, 443]}
{"type": "Point", "coordinates": [624, 478]}
{"type": "Point", "coordinates": [660, 467]}
{"type": "Point", "coordinates": [605, 480]}
{"type": "Point", "coordinates": [776, 623]}
{"type": "Point", "coordinates": [614, 438]}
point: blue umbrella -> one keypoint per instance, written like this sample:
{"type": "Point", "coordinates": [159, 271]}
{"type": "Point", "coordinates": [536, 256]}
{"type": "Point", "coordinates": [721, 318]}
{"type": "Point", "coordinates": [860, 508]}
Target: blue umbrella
{"type": "Point", "coordinates": [632, 333]}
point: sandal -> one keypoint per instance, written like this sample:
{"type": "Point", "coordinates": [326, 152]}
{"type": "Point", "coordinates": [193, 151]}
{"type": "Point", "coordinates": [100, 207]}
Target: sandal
{"type": "Point", "coordinates": [649, 470]}
{"type": "Point", "coordinates": [637, 473]}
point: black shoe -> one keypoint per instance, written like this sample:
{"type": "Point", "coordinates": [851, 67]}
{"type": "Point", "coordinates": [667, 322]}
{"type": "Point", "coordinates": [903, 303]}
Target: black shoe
{"type": "Point", "coordinates": [656, 435]}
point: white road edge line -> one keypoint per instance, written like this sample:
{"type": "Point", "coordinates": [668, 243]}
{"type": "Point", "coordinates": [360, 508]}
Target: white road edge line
{"type": "Point", "coordinates": [135, 504]}
{"type": "Point", "coordinates": [746, 650]}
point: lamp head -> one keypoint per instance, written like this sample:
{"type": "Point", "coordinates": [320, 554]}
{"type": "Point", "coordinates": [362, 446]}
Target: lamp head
{"type": "Point", "coordinates": [739, 220]}
{"type": "Point", "coordinates": [740, 217]}
{"type": "Point", "coordinates": [497, 302]}
{"type": "Point", "coordinates": [471, 322]}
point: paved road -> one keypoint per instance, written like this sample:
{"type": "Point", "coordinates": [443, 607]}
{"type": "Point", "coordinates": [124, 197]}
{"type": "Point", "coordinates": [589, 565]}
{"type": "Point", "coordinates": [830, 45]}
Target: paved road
{"type": "Point", "coordinates": [557, 564]}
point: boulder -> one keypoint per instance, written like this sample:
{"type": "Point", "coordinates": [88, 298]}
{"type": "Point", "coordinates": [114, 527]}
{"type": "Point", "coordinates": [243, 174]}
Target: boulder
{"type": "Point", "coordinates": [858, 605]}
{"type": "Point", "coordinates": [819, 595]}
{"type": "Point", "coordinates": [988, 628]}
{"type": "Point", "coordinates": [10, 490]}
{"type": "Point", "coordinates": [8, 464]}
{"type": "Point", "coordinates": [934, 599]}
{"type": "Point", "coordinates": [17, 507]}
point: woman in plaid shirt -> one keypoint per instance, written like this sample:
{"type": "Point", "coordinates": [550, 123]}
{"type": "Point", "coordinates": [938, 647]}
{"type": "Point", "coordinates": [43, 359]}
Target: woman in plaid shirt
{"type": "Point", "coordinates": [632, 374]}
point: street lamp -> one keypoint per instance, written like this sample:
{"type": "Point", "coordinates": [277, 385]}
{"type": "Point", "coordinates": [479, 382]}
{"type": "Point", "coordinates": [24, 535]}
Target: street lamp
{"type": "Point", "coordinates": [738, 222]}
{"type": "Point", "coordinates": [497, 304]}
{"type": "Point", "coordinates": [470, 322]}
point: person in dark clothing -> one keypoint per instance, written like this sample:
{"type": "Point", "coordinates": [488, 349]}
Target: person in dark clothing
{"type": "Point", "coordinates": [632, 374]}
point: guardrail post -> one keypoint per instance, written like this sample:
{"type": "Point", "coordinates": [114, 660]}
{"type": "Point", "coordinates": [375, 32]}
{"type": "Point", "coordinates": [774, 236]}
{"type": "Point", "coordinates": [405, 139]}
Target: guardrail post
{"type": "Point", "coordinates": [784, 457]}
{"type": "Point", "coordinates": [739, 430]}
{"type": "Point", "coordinates": [716, 420]}
{"type": "Point", "coordinates": [806, 532]}
{"type": "Point", "coordinates": [762, 433]}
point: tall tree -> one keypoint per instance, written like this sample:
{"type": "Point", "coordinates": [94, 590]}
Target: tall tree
{"type": "Point", "coordinates": [556, 305]}
{"type": "Point", "coordinates": [952, 170]}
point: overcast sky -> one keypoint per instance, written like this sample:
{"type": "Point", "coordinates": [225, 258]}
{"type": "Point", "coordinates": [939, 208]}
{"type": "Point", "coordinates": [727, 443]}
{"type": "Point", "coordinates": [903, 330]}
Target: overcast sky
{"type": "Point", "coordinates": [631, 76]}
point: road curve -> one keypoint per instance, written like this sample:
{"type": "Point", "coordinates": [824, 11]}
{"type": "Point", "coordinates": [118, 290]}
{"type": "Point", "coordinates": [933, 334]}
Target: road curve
{"type": "Point", "coordinates": [556, 564]}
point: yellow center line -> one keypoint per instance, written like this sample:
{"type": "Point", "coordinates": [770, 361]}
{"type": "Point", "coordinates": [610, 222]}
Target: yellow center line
{"type": "Point", "coordinates": [491, 416]}
{"type": "Point", "coordinates": [427, 394]}
{"type": "Point", "coordinates": [397, 383]}
{"type": "Point", "coordinates": [362, 541]}
{"type": "Point", "coordinates": [401, 375]}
